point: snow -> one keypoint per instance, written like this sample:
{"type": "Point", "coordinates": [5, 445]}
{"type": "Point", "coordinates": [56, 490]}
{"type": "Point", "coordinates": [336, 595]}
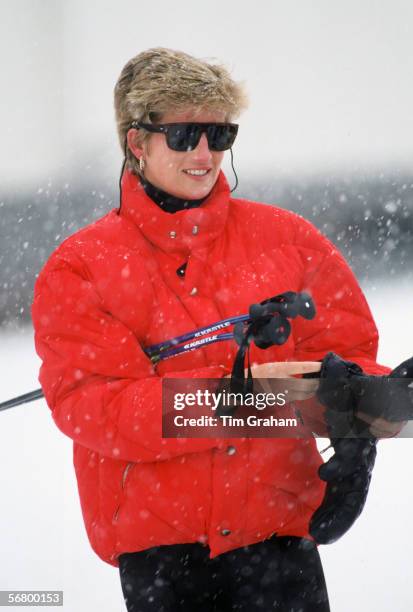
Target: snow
{"type": "Point", "coordinates": [44, 544]}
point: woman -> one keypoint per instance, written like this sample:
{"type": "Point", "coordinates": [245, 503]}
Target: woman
{"type": "Point", "coordinates": [207, 524]}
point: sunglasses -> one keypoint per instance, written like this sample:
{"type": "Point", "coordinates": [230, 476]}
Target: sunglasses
{"type": "Point", "coordinates": [186, 136]}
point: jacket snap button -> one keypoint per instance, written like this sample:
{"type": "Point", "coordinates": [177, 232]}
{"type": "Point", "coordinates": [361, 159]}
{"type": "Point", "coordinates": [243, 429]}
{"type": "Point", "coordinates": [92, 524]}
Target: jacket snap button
{"type": "Point", "coordinates": [231, 450]}
{"type": "Point", "coordinates": [194, 291]}
{"type": "Point", "coordinates": [195, 229]}
{"type": "Point", "coordinates": [172, 234]}
{"type": "Point", "coordinates": [225, 532]}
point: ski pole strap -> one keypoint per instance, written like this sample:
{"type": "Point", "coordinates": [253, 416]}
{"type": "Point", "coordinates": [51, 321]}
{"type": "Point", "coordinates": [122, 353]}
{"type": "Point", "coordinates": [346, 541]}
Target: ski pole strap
{"type": "Point", "coordinates": [268, 326]}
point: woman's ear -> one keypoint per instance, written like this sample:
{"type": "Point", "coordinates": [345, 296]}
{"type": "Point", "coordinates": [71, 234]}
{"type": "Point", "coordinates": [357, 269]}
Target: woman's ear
{"type": "Point", "coordinates": [132, 140]}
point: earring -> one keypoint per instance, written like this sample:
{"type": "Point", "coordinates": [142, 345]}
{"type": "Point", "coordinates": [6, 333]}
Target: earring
{"type": "Point", "coordinates": [141, 164]}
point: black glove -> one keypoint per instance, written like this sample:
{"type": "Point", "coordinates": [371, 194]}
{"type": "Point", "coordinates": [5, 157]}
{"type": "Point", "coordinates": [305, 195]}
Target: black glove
{"type": "Point", "coordinates": [389, 397]}
{"type": "Point", "coordinates": [345, 390]}
{"type": "Point", "coordinates": [348, 475]}
{"type": "Point", "coordinates": [348, 472]}
{"type": "Point", "coordinates": [336, 393]}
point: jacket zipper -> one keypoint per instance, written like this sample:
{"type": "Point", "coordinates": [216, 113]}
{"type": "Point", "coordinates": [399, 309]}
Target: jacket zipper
{"type": "Point", "coordinates": [125, 473]}
{"type": "Point", "coordinates": [124, 476]}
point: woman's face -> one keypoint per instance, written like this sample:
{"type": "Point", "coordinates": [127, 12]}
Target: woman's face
{"type": "Point", "coordinates": [171, 170]}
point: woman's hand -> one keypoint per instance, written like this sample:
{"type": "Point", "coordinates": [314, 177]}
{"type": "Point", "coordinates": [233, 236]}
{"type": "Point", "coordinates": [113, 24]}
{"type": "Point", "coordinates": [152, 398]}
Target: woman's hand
{"type": "Point", "coordinates": [284, 369]}
{"type": "Point", "coordinates": [381, 428]}
{"type": "Point", "coordinates": [268, 375]}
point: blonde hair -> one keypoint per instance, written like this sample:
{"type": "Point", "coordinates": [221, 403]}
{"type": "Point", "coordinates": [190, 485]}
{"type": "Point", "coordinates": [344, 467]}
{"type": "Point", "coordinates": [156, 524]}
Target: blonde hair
{"type": "Point", "coordinates": [160, 80]}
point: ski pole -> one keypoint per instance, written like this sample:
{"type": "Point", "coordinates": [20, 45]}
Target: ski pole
{"type": "Point", "coordinates": [22, 399]}
{"type": "Point", "coordinates": [153, 352]}
{"type": "Point", "coordinates": [169, 348]}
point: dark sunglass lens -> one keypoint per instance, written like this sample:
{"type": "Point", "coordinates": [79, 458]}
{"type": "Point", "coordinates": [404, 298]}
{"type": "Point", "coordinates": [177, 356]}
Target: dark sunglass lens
{"type": "Point", "coordinates": [221, 137]}
{"type": "Point", "coordinates": [183, 137]}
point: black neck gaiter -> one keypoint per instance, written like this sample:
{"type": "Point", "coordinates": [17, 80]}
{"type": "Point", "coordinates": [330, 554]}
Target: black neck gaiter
{"type": "Point", "coordinates": [169, 203]}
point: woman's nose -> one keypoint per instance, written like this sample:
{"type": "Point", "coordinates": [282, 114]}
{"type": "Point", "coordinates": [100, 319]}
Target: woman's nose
{"type": "Point", "coordinates": [202, 151]}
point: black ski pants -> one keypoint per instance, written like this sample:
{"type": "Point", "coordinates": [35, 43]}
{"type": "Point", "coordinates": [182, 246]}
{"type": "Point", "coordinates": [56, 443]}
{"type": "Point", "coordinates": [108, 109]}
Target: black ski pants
{"type": "Point", "coordinates": [281, 573]}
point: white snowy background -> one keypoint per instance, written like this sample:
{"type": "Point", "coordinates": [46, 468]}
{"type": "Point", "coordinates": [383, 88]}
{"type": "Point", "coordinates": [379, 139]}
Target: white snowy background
{"type": "Point", "coordinates": [330, 82]}
{"type": "Point", "coordinates": [331, 90]}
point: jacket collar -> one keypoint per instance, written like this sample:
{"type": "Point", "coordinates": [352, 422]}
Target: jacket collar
{"type": "Point", "coordinates": [167, 201]}
{"type": "Point", "coordinates": [183, 230]}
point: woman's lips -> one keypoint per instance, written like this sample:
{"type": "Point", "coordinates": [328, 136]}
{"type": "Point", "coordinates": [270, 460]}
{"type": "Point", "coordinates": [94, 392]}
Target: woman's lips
{"type": "Point", "coordinates": [197, 173]}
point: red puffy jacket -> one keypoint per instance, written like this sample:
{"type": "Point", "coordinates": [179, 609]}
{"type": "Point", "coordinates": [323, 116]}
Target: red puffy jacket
{"type": "Point", "coordinates": [112, 288]}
